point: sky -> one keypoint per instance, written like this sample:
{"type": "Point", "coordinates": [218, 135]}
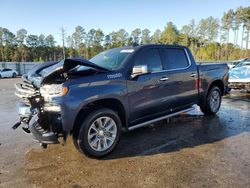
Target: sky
{"type": "Point", "coordinates": [48, 16]}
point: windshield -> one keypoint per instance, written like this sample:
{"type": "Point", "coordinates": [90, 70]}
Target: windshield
{"type": "Point", "coordinates": [110, 59]}
{"type": "Point", "coordinates": [244, 63]}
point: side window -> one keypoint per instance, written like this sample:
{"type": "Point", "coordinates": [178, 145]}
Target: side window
{"type": "Point", "coordinates": [174, 59]}
{"type": "Point", "coordinates": [151, 58]}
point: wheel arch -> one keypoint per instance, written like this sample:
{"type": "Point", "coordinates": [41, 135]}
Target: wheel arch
{"type": "Point", "coordinates": [219, 84]}
{"type": "Point", "coordinates": [111, 103]}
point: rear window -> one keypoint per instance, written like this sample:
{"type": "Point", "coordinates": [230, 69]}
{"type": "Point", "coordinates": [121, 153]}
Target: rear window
{"type": "Point", "coordinates": [175, 59]}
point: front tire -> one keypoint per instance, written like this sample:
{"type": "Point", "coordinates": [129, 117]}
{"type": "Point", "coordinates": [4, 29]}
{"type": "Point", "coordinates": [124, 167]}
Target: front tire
{"type": "Point", "coordinates": [99, 133]}
{"type": "Point", "coordinates": [212, 103]}
{"type": "Point", "coordinates": [13, 75]}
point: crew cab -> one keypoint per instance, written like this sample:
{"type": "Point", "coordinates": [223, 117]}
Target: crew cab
{"type": "Point", "coordinates": [120, 89]}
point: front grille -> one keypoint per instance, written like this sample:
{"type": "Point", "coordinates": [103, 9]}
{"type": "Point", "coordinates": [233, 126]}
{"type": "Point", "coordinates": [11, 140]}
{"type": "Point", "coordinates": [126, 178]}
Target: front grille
{"type": "Point", "coordinates": [25, 90]}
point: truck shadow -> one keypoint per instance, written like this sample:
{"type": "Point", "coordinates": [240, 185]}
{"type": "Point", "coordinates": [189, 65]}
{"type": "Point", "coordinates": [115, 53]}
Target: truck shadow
{"type": "Point", "coordinates": [182, 132]}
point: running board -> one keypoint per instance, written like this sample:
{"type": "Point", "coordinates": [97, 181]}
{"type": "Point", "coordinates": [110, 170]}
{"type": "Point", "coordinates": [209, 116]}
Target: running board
{"type": "Point", "coordinates": [158, 119]}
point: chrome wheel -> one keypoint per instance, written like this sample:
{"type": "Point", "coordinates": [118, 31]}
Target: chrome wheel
{"type": "Point", "coordinates": [102, 133]}
{"type": "Point", "coordinates": [215, 101]}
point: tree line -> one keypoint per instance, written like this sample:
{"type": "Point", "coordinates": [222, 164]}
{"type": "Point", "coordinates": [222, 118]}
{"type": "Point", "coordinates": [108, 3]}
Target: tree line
{"type": "Point", "coordinates": [208, 40]}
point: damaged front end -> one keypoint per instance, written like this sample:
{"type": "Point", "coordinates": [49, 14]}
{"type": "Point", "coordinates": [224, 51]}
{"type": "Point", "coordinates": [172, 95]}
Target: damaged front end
{"type": "Point", "coordinates": [37, 114]}
{"type": "Point", "coordinates": [42, 92]}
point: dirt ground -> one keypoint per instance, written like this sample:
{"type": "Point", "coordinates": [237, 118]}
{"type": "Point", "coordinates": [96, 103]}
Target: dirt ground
{"type": "Point", "coordinates": [191, 151]}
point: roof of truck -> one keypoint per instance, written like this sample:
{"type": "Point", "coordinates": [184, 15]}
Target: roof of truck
{"type": "Point", "coordinates": [151, 45]}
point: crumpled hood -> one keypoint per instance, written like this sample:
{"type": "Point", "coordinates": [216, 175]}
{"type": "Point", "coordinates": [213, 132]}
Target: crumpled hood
{"type": "Point", "coordinates": [40, 73]}
{"type": "Point", "coordinates": [242, 72]}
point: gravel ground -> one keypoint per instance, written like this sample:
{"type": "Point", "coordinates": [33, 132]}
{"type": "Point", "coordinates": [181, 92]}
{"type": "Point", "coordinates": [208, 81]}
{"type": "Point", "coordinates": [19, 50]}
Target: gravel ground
{"type": "Point", "coordinates": [191, 151]}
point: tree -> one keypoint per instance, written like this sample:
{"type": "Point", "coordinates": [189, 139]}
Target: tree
{"type": "Point", "coordinates": [41, 50]}
{"type": "Point", "coordinates": [41, 40]}
{"type": "Point", "coordinates": [50, 41]}
{"type": "Point", "coordinates": [245, 17]}
{"type": "Point", "coordinates": [208, 29]}
{"type": "Point", "coordinates": [9, 44]}
{"type": "Point", "coordinates": [200, 38]}
{"type": "Point", "coordinates": [202, 29]}
{"type": "Point", "coordinates": [63, 36]}
{"type": "Point", "coordinates": [145, 38]}
{"type": "Point", "coordinates": [183, 39]}
{"type": "Point", "coordinates": [32, 41]}
{"type": "Point", "coordinates": [237, 22]}
{"type": "Point", "coordinates": [226, 24]}
{"type": "Point", "coordinates": [156, 37]}
{"type": "Point", "coordinates": [78, 36]}
{"type": "Point", "coordinates": [119, 38]}
{"type": "Point", "coordinates": [1, 44]}
{"type": "Point", "coordinates": [169, 34]}
{"type": "Point", "coordinates": [98, 38]}
{"type": "Point", "coordinates": [135, 34]}
{"type": "Point", "coordinates": [190, 29]}
{"type": "Point", "coordinates": [69, 42]}
{"type": "Point", "coordinates": [107, 42]}
{"type": "Point", "coordinates": [21, 35]}
{"type": "Point", "coordinates": [90, 42]}
{"type": "Point", "coordinates": [212, 28]}
{"type": "Point", "coordinates": [189, 35]}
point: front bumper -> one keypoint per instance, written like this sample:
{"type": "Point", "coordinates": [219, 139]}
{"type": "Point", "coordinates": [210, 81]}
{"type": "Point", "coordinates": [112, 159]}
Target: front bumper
{"type": "Point", "coordinates": [41, 135]}
{"type": "Point", "coordinates": [35, 124]}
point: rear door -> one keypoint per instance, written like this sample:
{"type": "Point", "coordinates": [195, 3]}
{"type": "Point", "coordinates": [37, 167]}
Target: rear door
{"type": "Point", "coordinates": [147, 93]}
{"type": "Point", "coordinates": [181, 77]}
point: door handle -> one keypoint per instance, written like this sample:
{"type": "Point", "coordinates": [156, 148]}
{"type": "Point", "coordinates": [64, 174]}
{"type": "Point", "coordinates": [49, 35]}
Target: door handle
{"type": "Point", "coordinates": [163, 79]}
{"type": "Point", "coordinates": [193, 75]}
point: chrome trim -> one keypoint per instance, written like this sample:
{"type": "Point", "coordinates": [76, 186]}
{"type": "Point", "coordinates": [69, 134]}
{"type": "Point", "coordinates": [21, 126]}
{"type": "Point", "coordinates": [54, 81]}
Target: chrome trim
{"type": "Point", "coordinates": [189, 61]}
{"type": "Point", "coordinates": [159, 118]}
{"type": "Point", "coordinates": [163, 79]}
{"type": "Point", "coordinates": [19, 87]}
{"type": "Point", "coordinates": [193, 75]}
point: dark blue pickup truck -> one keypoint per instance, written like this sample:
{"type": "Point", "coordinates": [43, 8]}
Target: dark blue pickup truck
{"type": "Point", "coordinates": [120, 89]}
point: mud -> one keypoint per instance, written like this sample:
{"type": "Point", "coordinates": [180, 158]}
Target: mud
{"type": "Point", "coordinates": [191, 150]}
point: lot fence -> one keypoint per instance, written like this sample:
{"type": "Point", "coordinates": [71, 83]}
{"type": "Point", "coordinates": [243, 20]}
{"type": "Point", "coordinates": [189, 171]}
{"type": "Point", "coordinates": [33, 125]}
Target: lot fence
{"type": "Point", "coordinates": [20, 67]}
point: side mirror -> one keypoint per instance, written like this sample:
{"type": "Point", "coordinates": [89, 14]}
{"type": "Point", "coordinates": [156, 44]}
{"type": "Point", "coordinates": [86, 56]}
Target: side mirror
{"type": "Point", "coordinates": [139, 70]}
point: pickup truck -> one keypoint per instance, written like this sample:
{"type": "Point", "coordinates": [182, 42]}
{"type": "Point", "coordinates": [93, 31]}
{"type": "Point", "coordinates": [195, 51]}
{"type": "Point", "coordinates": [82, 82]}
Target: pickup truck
{"type": "Point", "coordinates": [118, 90]}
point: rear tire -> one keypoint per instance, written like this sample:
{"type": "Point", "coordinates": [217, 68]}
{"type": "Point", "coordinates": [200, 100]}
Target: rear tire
{"type": "Point", "coordinates": [212, 103]}
{"type": "Point", "coordinates": [13, 75]}
{"type": "Point", "coordinates": [99, 133]}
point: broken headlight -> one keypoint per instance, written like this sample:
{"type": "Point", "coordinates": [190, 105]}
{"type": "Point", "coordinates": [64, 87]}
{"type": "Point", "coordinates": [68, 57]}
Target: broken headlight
{"type": "Point", "coordinates": [53, 89]}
